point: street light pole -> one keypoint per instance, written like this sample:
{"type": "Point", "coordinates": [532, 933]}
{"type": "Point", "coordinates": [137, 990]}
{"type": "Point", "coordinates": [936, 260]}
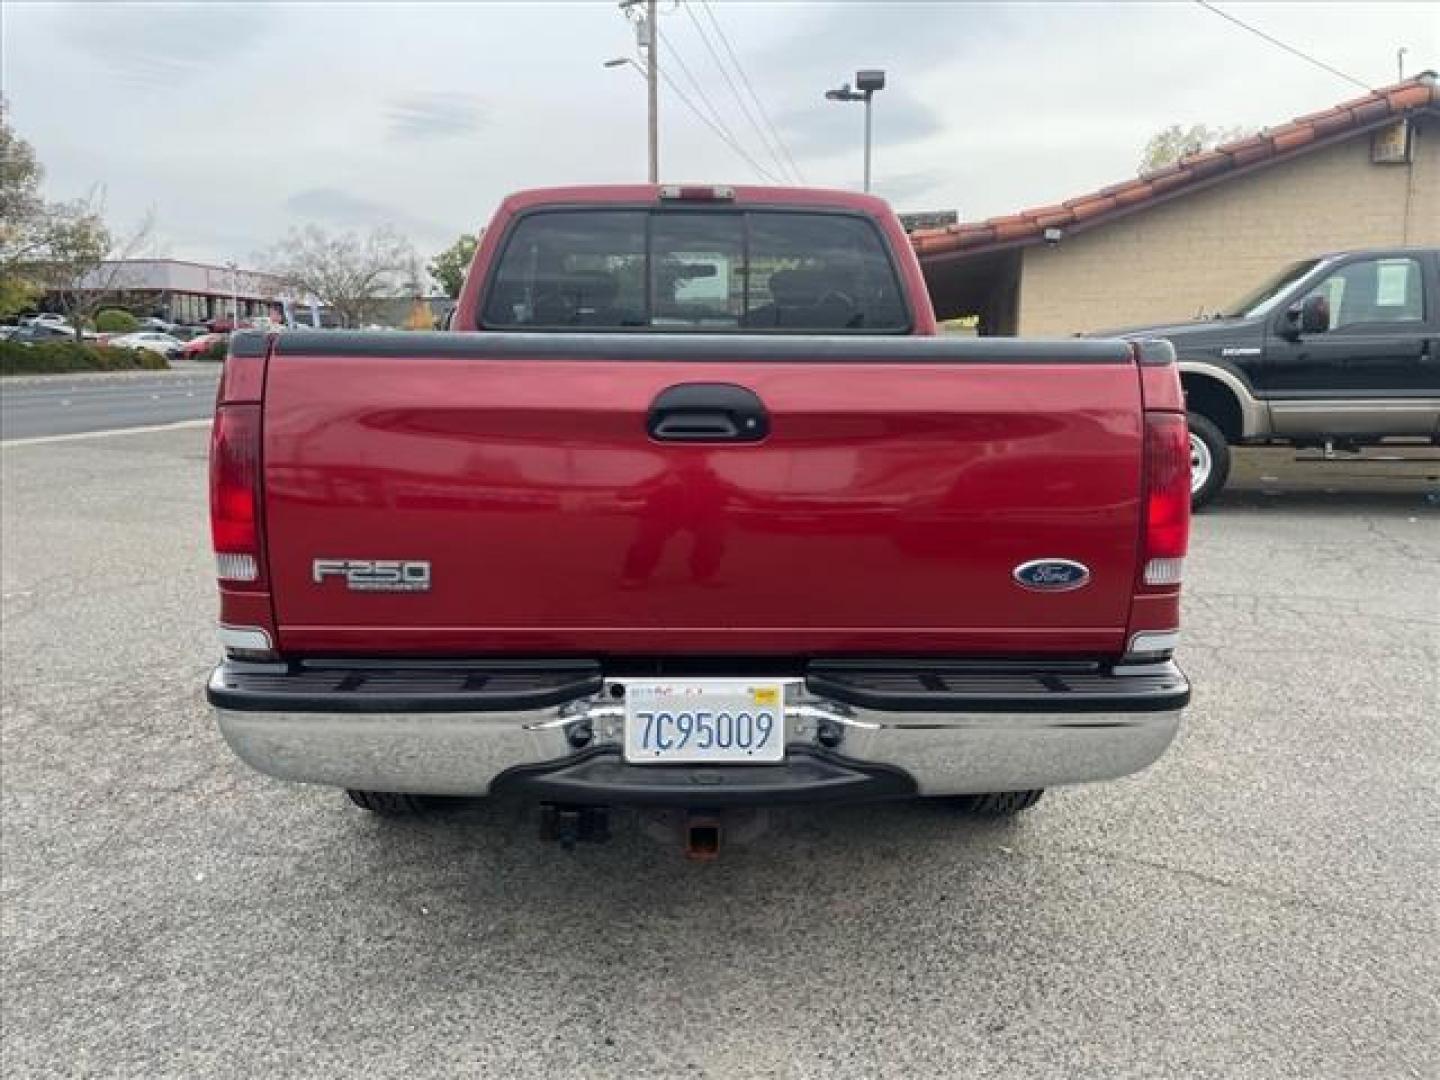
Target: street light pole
{"type": "Point", "coordinates": [867, 83]}
{"type": "Point", "coordinates": [234, 296]}
{"type": "Point", "coordinates": [868, 95]}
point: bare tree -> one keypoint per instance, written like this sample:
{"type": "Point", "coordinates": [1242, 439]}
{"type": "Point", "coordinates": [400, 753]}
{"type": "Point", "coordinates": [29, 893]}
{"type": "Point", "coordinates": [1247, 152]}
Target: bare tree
{"type": "Point", "coordinates": [351, 274]}
{"type": "Point", "coordinates": [1170, 144]}
{"type": "Point", "coordinates": [85, 265]}
{"type": "Point", "coordinates": [63, 249]}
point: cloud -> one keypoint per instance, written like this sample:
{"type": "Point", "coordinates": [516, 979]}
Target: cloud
{"type": "Point", "coordinates": [839, 127]}
{"type": "Point", "coordinates": [159, 53]}
{"type": "Point", "coordinates": [911, 43]}
{"type": "Point", "coordinates": [907, 189]}
{"type": "Point", "coordinates": [433, 116]}
{"type": "Point", "coordinates": [338, 207]}
{"type": "Point", "coordinates": [908, 39]}
{"type": "Point", "coordinates": [236, 122]}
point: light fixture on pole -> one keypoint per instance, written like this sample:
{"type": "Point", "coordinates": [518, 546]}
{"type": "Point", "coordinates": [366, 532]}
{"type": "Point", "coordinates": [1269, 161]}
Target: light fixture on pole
{"type": "Point", "coordinates": [640, 69]}
{"type": "Point", "coordinates": [866, 83]}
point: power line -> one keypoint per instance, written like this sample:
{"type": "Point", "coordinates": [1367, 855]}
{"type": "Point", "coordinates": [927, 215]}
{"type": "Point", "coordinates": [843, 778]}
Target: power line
{"type": "Point", "coordinates": [728, 140]}
{"type": "Point", "coordinates": [734, 90]}
{"type": "Point", "coordinates": [674, 54]}
{"type": "Point", "coordinates": [1288, 48]}
{"type": "Point", "coordinates": [760, 105]}
{"type": "Point", "coordinates": [713, 127]}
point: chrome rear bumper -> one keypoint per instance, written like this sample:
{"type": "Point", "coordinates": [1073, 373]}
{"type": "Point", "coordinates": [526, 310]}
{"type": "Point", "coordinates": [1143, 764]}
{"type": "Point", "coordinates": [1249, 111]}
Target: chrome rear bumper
{"type": "Point", "coordinates": [1045, 741]}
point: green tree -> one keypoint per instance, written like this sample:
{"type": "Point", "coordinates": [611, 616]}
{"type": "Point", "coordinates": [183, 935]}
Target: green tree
{"type": "Point", "coordinates": [23, 217]}
{"type": "Point", "coordinates": [448, 268]}
{"type": "Point", "coordinates": [116, 321]}
{"type": "Point", "coordinates": [16, 294]}
{"type": "Point", "coordinates": [1170, 144]}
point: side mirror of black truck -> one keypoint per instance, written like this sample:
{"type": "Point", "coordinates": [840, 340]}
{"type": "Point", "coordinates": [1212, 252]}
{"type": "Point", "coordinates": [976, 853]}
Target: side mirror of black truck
{"type": "Point", "coordinates": [1308, 316]}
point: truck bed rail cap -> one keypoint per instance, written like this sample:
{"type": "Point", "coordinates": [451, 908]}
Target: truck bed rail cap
{"type": "Point", "coordinates": [802, 348]}
{"type": "Point", "coordinates": [248, 343]}
{"type": "Point", "coordinates": [1155, 352]}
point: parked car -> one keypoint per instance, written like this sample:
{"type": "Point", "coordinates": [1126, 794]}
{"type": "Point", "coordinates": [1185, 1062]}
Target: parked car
{"type": "Point", "coordinates": [150, 340]}
{"type": "Point", "coordinates": [695, 512]}
{"type": "Point", "coordinates": [30, 333]}
{"type": "Point", "coordinates": [197, 347]}
{"type": "Point", "coordinates": [45, 319]}
{"type": "Point", "coordinates": [1339, 351]}
{"type": "Point", "coordinates": [158, 325]}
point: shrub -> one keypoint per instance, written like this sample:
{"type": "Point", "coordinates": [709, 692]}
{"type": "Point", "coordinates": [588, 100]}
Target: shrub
{"type": "Point", "coordinates": [216, 351]}
{"type": "Point", "coordinates": [116, 321]}
{"type": "Point", "coordinates": [55, 357]}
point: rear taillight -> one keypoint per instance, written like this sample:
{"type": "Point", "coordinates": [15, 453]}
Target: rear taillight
{"type": "Point", "coordinates": [235, 494]}
{"type": "Point", "coordinates": [1167, 497]}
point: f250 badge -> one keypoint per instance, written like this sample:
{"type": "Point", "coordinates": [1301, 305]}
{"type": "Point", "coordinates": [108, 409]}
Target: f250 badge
{"type": "Point", "coordinates": [374, 575]}
{"type": "Point", "coordinates": [1051, 575]}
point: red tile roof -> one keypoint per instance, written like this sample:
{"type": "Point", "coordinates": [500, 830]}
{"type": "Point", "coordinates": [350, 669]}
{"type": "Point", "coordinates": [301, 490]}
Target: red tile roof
{"type": "Point", "coordinates": [1420, 93]}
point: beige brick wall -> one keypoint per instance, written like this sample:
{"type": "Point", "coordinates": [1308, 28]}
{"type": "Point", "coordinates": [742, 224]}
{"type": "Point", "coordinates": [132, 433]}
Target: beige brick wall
{"type": "Point", "coordinates": [1203, 250]}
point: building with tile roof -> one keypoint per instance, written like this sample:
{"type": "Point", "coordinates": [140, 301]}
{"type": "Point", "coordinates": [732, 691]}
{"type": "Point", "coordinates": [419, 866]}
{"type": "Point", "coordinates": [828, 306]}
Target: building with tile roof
{"type": "Point", "coordinates": [1185, 239]}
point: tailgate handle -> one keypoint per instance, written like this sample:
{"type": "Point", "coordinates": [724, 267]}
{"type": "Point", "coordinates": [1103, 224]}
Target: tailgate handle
{"type": "Point", "coordinates": [696, 425]}
{"type": "Point", "coordinates": [708, 412]}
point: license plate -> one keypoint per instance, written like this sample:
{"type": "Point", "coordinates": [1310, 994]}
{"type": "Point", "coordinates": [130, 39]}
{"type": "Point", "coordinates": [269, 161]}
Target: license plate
{"type": "Point", "coordinates": [714, 721]}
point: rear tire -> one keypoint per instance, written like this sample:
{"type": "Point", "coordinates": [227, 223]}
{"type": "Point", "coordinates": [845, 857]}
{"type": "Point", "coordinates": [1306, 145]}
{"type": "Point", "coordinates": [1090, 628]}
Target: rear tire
{"type": "Point", "coordinates": [1001, 803]}
{"type": "Point", "coordinates": [389, 803]}
{"type": "Point", "coordinates": [1209, 459]}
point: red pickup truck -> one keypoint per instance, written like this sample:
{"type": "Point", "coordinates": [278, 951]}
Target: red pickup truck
{"type": "Point", "coordinates": [693, 509]}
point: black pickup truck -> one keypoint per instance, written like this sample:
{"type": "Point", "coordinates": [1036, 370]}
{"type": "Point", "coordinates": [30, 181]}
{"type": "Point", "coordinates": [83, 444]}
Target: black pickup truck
{"type": "Point", "coordinates": [1337, 351]}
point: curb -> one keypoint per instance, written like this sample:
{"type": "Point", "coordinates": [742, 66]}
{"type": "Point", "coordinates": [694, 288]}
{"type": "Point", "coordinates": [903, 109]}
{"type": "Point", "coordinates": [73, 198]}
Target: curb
{"type": "Point", "coordinates": [101, 376]}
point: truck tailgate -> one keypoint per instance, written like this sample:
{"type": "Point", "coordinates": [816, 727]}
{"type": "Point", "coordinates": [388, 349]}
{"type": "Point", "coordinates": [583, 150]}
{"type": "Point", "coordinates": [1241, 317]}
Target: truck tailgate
{"type": "Point", "coordinates": [901, 484]}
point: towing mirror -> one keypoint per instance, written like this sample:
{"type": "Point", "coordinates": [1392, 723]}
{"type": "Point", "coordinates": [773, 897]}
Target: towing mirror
{"type": "Point", "coordinates": [1310, 316]}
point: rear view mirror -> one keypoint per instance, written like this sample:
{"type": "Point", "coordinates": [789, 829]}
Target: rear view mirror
{"type": "Point", "coordinates": [1311, 315]}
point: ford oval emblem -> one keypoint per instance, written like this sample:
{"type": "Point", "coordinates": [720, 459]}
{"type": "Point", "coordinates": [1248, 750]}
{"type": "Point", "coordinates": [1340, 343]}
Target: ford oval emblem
{"type": "Point", "coordinates": [1051, 575]}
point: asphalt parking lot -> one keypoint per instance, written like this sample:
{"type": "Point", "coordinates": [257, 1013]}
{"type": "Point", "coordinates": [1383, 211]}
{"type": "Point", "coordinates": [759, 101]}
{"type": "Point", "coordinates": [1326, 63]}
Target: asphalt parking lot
{"type": "Point", "coordinates": [1262, 903]}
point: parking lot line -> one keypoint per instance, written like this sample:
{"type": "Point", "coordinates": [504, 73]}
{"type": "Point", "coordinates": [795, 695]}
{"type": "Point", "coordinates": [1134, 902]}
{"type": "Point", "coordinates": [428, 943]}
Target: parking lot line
{"type": "Point", "coordinates": [7, 444]}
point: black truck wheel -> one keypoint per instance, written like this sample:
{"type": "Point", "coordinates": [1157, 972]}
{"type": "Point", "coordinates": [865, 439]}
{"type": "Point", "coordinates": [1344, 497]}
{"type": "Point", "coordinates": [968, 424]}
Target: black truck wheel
{"type": "Point", "coordinates": [1209, 459]}
{"type": "Point", "coordinates": [388, 803]}
{"type": "Point", "coordinates": [1001, 803]}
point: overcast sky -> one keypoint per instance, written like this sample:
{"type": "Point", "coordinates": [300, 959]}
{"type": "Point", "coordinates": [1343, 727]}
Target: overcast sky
{"type": "Point", "coordinates": [235, 122]}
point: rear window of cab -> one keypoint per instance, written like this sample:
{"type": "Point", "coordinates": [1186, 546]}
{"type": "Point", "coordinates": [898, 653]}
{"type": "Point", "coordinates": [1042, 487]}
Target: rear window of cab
{"type": "Point", "coordinates": [746, 271]}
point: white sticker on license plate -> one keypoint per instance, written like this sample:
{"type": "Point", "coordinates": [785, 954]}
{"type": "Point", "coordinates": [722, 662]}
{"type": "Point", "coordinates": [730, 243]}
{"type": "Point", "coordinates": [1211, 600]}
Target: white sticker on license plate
{"type": "Point", "coordinates": [712, 721]}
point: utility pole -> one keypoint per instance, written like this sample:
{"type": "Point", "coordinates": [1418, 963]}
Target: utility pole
{"type": "Point", "coordinates": [1400, 62]}
{"type": "Point", "coordinates": [646, 33]}
{"type": "Point", "coordinates": [652, 76]}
